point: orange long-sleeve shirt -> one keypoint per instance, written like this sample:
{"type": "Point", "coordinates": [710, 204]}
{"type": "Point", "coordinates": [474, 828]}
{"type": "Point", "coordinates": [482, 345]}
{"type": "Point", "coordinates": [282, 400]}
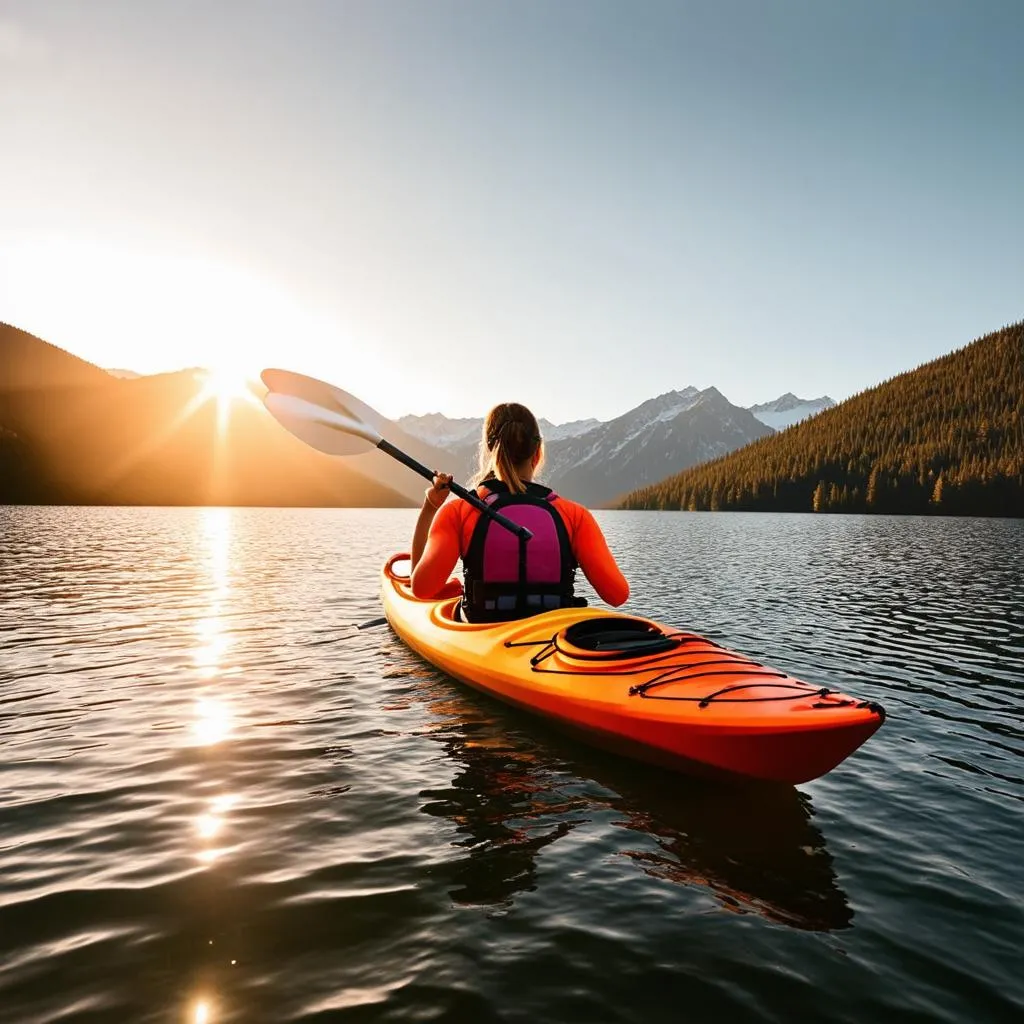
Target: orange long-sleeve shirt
{"type": "Point", "coordinates": [452, 528]}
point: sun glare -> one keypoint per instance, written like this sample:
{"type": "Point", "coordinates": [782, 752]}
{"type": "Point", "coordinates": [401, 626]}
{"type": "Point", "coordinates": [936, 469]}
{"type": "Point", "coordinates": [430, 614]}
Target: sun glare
{"type": "Point", "coordinates": [226, 387]}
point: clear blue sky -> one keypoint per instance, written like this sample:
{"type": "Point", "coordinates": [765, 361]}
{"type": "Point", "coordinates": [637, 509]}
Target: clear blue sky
{"type": "Point", "coordinates": [577, 204]}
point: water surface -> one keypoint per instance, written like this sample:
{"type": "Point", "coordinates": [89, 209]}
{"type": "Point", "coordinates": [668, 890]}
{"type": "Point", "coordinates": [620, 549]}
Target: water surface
{"type": "Point", "coordinates": [219, 801]}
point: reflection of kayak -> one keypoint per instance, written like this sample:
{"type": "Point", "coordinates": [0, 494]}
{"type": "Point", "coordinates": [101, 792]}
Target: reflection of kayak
{"type": "Point", "coordinates": [754, 847]}
{"type": "Point", "coordinates": [509, 798]}
{"type": "Point", "coordinates": [639, 688]}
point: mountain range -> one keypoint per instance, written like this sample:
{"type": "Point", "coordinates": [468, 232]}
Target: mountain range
{"type": "Point", "coordinates": [594, 462]}
{"type": "Point", "coordinates": [73, 432]}
{"type": "Point", "coordinates": [946, 437]}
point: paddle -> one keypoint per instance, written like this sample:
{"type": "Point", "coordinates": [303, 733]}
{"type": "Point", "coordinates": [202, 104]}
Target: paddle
{"type": "Point", "coordinates": [337, 423]}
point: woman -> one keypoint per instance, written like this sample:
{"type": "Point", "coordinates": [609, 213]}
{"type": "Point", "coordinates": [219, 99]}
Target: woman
{"type": "Point", "coordinates": [504, 577]}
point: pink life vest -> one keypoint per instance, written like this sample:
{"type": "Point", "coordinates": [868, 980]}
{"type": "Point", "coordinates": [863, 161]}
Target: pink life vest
{"type": "Point", "coordinates": [506, 578]}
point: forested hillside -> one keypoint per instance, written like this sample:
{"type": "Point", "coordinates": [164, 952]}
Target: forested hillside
{"type": "Point", "coordinates": [945, 438]}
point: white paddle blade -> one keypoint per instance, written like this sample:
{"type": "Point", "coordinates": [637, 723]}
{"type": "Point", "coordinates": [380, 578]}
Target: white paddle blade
{"type": "Point", "coordinates": [318, 392]}
{"type": "Point", "coordinates": [327, 431]}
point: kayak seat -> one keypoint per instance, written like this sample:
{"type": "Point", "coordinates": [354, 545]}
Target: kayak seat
{"type": "Point", "coordinates": [619, 637]}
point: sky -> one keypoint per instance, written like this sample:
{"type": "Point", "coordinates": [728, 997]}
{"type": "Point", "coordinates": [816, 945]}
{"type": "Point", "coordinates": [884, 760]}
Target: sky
{"type": "Point", "coordinates": [575, 204]}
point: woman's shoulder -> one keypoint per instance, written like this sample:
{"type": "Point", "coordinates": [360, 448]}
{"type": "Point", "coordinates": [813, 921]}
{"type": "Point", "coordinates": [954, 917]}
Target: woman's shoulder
{"type": "Point", "coordinates": [569, 509]}
{"type": "Point", "coordinates": [563, 502]}
{"type": "Point", "coordinates": [453, 511]}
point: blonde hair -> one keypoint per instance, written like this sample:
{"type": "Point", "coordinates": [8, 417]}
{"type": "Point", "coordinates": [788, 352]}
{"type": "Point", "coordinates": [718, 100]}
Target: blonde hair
{"type": "Point", "coordinates": [510, 438]}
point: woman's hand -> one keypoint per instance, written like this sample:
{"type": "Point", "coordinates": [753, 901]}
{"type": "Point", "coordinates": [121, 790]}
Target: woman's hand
{"type": "Point", "coordinates": [436, 495]}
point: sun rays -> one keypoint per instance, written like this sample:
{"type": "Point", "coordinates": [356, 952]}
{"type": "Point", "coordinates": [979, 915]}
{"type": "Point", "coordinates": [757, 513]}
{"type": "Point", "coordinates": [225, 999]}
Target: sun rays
{"type": "Point", "coordinates": [228, 389]}
{"type": "Point", "coordinates": [226, 386]}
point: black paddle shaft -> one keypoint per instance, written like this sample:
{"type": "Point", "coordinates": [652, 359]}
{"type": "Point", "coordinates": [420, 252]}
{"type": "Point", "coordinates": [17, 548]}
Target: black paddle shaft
{"type": "Point", "coordinates": [474, 499]}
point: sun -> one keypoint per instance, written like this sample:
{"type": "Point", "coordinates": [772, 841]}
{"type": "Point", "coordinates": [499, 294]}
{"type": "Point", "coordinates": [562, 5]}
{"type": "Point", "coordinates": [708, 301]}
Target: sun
{"type": "Point", "coordinates": [226, 386]}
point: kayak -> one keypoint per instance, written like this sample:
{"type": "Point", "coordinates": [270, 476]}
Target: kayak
{"type": "Point", "coordinates": [624, 682]}
{"type": "Point", "coordinates": [637, 687]}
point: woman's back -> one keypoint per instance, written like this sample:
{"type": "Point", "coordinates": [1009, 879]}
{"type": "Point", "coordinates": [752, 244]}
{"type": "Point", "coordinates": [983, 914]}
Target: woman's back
{"type": "Point", "coordinates": [452, 532]}
{"type": "Point", "coordinates": [501, 575]}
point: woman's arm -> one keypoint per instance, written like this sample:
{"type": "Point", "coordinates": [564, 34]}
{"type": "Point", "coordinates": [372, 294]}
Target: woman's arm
{"type": "Point", "coordinates": [438, 551]}
{"type": "Point", "coordinates": [433, 498]}
{"type": "Point", "coordinates": [596, 561]}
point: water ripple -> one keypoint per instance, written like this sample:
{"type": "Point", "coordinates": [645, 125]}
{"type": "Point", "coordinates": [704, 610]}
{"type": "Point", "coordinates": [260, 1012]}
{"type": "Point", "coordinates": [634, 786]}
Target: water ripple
{"type": "Point", "coordinates": [221, 801]}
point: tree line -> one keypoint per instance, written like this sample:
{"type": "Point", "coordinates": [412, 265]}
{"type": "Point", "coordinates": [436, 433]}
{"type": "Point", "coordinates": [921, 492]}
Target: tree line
{"type": "Point", "coordinates": [945, 438]}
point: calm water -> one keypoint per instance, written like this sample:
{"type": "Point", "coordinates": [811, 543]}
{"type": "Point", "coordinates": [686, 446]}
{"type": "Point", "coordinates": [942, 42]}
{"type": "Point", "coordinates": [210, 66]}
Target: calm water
{"type": "Point", "coordinates": [221, 802]}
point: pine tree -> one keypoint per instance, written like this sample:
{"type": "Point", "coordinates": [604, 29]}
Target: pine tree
{"type": "Point", "coordinates": [818, 500]}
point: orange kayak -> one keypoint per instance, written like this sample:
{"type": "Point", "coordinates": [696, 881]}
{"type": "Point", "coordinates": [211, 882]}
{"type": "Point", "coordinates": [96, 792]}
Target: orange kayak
{"type": "Point", "coordinates": [637, 687]}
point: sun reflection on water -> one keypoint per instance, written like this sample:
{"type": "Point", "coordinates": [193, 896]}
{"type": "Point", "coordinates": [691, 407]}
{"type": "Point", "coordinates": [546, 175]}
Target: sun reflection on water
{"type": "Point", "coordinates": [208, 825]}
{"type": "Point", "coordinates": [213, 641]}
{"type": "Point", "coordinates": [209, 653]}
{"type": "Point", "coordinates": [211, 822]}
{"type": "Point", "coordinates": [213, 721]}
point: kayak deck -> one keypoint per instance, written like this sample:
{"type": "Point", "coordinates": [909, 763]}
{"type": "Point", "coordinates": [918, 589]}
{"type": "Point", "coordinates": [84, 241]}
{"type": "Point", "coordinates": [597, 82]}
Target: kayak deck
{"type": "Point", "coordinates": [639, 688]}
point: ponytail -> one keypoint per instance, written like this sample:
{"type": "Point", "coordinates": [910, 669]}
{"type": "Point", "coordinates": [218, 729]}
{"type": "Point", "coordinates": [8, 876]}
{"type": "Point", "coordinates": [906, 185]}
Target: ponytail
{"type": "Point", "coordinates": [510, 439]}
{"type": "Point", "coordinates": [505, 469]}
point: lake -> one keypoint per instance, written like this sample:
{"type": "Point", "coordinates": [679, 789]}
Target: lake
{"type": "Point", "coordinates": [220, 801]}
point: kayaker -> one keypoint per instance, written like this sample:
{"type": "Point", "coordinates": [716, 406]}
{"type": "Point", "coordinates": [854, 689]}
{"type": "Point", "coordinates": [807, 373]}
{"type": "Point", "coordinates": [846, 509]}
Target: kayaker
{"type": "Point", "coordinates": [504, 580]}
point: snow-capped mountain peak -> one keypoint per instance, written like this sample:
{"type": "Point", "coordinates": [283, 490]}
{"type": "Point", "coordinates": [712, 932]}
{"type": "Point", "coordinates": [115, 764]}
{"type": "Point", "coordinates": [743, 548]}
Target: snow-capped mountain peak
{"type": "Point", "coordinates": [664, 407]}
{"type": "Point", "coordinates": [657, 438]}
{"type": "Point", "coordinates": [559, 431]}
{"type": "Point", "coordinates": [437, 429]}
{"type": "Point", "coordinates": [788, 409]}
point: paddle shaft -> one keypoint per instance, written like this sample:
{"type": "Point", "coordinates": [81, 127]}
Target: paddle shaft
{"type": "Point", "coordinates": [474, 499]}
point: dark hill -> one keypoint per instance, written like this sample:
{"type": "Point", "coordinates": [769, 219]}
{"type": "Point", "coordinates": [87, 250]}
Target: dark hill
{"type": "Point", "coordinates": [27, 361]}
{"type": "Point", "coordinates": [946, 438]}
{"type": "Point", "coordinates": [70, 433]}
